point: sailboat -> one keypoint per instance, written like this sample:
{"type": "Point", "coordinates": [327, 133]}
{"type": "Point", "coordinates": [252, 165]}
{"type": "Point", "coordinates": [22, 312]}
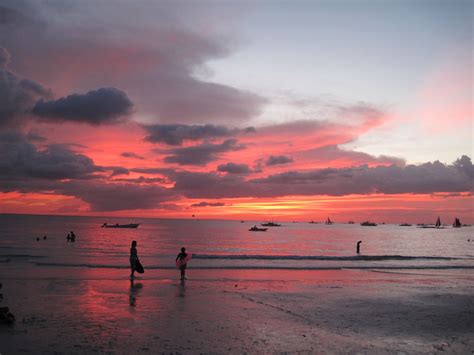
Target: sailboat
{"type": "Point", "coordinates": [457, 223]}
{"type": "Point", "coordinates": [328, 221]}
{"type": "Point", "coordinates": [437, 225]}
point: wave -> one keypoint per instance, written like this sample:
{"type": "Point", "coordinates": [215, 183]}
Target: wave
{"type": "Point", "coordinates": [218, 267]}
{"type": "Point", "coordinates": [21, 256]}
{"type": "Point", "coordinates": [318, 257]}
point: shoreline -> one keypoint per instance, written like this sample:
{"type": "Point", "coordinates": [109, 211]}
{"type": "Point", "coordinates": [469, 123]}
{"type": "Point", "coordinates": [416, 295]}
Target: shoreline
{"type": "Point", "coordinates": [235, 311]}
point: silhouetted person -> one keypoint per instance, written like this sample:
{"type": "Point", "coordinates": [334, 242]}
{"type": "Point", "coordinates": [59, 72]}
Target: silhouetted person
{"type": "Point", "coordinates": [44, 237]}
{"type": "Point", "coordinates": [37, 239]}
{"type": "Point", "coordinates": [68, 238]}
{"type": "Point", "coordinates": [358, 246]}
{"type": "Point", "coordinates": [133, 259]}
{"type": "Point", "coordinates": [73, 237]}
{"type": "Point", "coordinates": [181, 257]}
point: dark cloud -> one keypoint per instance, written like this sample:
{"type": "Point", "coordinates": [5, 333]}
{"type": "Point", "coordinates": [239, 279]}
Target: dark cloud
{"type": "Point", "coordinates": [105, 105]}
{"type": "Point", "coordinates": [118, 170]}
{"type": "Point", "coordinates": [278, 160]}
{"type": "Point", "coordinates": [201, 154]}
{"type": "Point", "coordinates": [208, 204]}
{"type": "Point", "coordinates": [233, 168]}
{"type": "Point", "coordinates": [21, 161]}
{"type": "Point", "coordinates": [209, 185]}
{"type": "Point", "coordinates": [417, 179]}
{"type": "Point", "coordinates": [34, 137]}
{"type": "Point", "coordinates": [144, 180]}
{"type": "Point", "coordinates": [334, 155]}
{"type": "Point", "coordinates": [152, 171]}
{"type": "Point", "coordinates": [175, 134]}
{"type": "Point", "coordinates": [17, 96]}
{"type": "Point", "coordinates": [132, 155]}
{"type": "Point", "coordinates": [103, 196]}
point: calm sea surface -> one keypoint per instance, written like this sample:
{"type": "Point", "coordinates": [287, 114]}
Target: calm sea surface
{"type": "Point", "coordinates": [229, 244]}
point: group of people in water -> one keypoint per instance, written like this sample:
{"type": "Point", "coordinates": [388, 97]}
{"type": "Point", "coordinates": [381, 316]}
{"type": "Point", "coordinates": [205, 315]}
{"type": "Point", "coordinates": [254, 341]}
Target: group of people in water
{"type": "Point", "coordinates": [71, 237]}
{"type": "Point", "coordinates": [181, 261]}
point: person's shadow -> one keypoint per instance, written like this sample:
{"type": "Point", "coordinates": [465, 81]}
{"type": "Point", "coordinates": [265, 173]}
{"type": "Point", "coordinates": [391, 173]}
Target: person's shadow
{"type": "Point", "coordinates": [135, 289]}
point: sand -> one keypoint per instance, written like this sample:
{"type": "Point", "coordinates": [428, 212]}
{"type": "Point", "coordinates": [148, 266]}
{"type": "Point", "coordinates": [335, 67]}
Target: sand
{"type": "Point", "coordinates": [80, 310]}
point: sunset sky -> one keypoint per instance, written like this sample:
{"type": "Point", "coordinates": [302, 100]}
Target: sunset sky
{"type": "Point", "coordinates": [285, 110]}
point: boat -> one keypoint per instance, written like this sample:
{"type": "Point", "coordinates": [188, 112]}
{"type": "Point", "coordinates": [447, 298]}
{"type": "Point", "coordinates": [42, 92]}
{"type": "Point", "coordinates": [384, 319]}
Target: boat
{"type": "Point", "coordinates": [405, 225]}
{"type": "Point", "coordinates": [350, 222]}
{"type": "Point", "coordinates": [457, 223]}
{"type": "Point", "coordinates": [271, 224]}
{"type": "Point", "coordinates": [437, 225]}
{"type": "Point", "coordinates": [256, 229]}
{"type": "Point", "coordinates": [313, 222]}
{"type": "Point", "coordinates": [116, 225]}
{"type": "Point", "coordinates": [368, 224]}
{"type": "Point", "coordinates": [328, 221]}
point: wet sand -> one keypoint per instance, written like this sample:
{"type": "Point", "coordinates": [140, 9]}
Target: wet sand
{"type": "Point", "coordinates": [80, 310]}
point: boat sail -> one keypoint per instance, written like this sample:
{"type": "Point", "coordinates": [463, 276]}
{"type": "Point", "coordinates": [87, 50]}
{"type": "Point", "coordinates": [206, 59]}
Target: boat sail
{"type": "Point", "coordinates": [438, 223]}
{"type": "Point", "coordinates": [328, 221]}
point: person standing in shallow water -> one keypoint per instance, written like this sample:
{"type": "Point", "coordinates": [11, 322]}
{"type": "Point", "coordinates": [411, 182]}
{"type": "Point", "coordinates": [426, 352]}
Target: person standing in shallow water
{"type": "Point", "coordinates": [358, 246]}
{"type": "Point", "coordinates": [182, 256]}
{"type": "Point", "coordinates": [133, 259]}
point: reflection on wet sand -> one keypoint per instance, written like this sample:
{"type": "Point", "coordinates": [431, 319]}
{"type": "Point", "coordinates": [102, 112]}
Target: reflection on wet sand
{"type": "Point", "coordinates": [135, 289]}
{"type": "Point", "coordinates": [182, 289]}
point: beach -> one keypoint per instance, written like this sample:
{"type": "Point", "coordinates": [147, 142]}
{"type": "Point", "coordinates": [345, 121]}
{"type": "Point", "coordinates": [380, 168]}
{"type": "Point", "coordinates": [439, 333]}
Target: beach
{"type": "Point", "coordinates": [298, 288]}
{"type": "Point", "coordinates": [239, 311]}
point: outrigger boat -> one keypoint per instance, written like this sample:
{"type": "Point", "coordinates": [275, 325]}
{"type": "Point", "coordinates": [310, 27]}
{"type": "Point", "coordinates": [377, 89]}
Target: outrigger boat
{"type": "Point", "coordinates": [116, 225]}
{"type": "Point", "coordinates": [271, 224]}
{"type": "Point", "coordinates": [368, 224]}
{"type": "Point", "coordinates": [256, 229]}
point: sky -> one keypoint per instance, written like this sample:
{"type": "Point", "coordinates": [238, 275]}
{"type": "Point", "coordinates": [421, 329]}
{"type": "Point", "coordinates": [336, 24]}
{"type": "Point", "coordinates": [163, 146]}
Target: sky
{"type": "Point", "coordinates": [282, 110]}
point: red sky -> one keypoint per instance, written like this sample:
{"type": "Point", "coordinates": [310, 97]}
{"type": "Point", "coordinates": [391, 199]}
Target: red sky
{"type": "Point", "coordinates": [102, 117]}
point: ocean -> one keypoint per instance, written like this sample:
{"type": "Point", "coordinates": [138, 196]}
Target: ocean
{"type": "Point", "coordinates": [226, 244]}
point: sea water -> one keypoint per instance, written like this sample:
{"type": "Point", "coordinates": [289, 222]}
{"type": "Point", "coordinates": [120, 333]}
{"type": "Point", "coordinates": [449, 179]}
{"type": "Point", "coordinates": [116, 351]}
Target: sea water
{"type": "Point", "coordinates": [227, 244]}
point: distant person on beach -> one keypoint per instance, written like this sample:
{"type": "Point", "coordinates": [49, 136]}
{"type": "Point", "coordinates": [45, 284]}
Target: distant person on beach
{"type": "Point", "coordinates": [44, 237]}
{"type": "Point", "coordinates": [73, 237]}
{"type": "Point", "coordinates": [358, 246]}
{"type": "Point", "coordinates": [181, 259]}
{"type": "Point", "coordinates": [133, 259]}
{"type": "Point", "coordinates": [68, 238]}
{"type": "Point", "coordinates": [37, 239]}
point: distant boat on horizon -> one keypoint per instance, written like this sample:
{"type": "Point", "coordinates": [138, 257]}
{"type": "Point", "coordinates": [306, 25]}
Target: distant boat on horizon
{"type": "Point", "coordinates": [405, 225]}
{"type": "Point", "coordinates": [271, 224]}
{"type": "Point", "coordinates": [437, 225]}
{"type": "Point", "coordinates": [328, 221]}
{"type": "Point", "coordinates": [350, 222]}
{"type": "Point", "coordinates": [116, 225]}
{"type": "Point", "coordinates": [256, 229]}
{"type": "Point", "coordinates": [368, 224]}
